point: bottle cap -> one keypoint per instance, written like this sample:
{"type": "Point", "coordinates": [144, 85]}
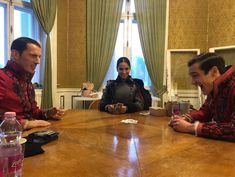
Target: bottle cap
{"type": "Point", "coordinates": [9, 114]}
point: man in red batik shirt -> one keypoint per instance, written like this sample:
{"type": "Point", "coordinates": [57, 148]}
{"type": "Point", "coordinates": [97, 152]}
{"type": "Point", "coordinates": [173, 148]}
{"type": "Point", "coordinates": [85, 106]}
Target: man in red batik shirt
{"type": "Point", "coordinates": [16, 90]}
{"type": "Point", "coordinates": [216, 117]}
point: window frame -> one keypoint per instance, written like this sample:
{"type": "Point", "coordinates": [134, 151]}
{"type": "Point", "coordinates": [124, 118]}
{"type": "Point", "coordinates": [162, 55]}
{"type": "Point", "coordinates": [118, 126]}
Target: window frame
{"type": "Point", "coordinates": [128, 18]}
{"type": "Point", "coordinates": [12, 3]}
{"type": "Point", "coordinates": [37, 34]}
{"type": "Point", "coordinates": [6, 30]}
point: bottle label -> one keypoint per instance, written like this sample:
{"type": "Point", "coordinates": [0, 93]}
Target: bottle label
{"type": "Point", "coordinates": [15, 163]}
{"type": "Point", "coordinates": [3, 166]}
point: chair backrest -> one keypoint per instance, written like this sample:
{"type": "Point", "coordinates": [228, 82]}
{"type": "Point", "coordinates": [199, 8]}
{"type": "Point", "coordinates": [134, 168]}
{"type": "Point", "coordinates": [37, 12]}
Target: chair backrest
{"type": "Point", "coordinates": [94, 104]}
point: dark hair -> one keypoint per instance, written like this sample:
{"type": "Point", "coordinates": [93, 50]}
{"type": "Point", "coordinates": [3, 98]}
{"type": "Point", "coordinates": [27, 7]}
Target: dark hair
{"type": "Point", "coordinates": [207, 61]}
{"type": "Point", "coordinates": [20, 44]}
{"type": "Point", "coordinates": [123, 59]}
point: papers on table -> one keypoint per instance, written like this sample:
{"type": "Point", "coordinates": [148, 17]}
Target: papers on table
{"type": "Point", "coordinates": [129, 121]}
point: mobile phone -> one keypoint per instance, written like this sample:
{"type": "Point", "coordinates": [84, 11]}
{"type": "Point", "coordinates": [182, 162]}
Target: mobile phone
{"type": "Point", "coordinates": [43, 137]}
{"type": "Point", "coordinates": [45, 133]}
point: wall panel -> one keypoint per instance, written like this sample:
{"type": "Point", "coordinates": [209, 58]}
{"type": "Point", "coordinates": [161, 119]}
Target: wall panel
{"type": "Point", "coordinates": [71, 43]}
{"type": "Point", "coordinates": [221, 26]}
{"type": "Point", "coordinates": [188, 24]}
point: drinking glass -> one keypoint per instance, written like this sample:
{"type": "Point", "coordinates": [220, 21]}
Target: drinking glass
{"type": "Point", "coordinates": [175, 109]}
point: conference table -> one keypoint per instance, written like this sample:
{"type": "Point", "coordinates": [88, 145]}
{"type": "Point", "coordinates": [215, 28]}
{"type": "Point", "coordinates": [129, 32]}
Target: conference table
{"type": "Point", "coordinates": [98, 144]}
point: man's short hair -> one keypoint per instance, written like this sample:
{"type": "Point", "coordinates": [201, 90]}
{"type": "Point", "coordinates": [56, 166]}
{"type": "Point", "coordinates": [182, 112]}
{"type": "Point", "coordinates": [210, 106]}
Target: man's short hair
{"type": "Point", "coordinates": [20, 44]}
{"type": "Point", "coordinates": [207, 61]}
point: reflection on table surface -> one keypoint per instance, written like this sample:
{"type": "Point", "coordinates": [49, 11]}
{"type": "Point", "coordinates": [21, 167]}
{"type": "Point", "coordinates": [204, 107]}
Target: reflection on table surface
{"type": "Point", "coordinates": [97, 144]}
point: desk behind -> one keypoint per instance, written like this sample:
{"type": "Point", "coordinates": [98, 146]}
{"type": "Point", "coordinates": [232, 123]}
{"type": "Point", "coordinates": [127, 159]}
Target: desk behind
{"type": "Point", "coordinates": [96, 144]}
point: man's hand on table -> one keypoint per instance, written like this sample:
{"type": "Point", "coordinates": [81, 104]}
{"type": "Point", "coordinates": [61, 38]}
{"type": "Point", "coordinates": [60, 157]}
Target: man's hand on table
{"type": "Point", "coordinates": [179, 124]}
{"type": "Point", "coordinates": [28, 124]}
{"type": "Point", "coordinates": [54, 113]}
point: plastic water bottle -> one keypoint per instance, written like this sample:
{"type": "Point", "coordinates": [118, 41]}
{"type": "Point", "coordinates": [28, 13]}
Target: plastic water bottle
{"type": "Point", "coordinates": [11, 155]}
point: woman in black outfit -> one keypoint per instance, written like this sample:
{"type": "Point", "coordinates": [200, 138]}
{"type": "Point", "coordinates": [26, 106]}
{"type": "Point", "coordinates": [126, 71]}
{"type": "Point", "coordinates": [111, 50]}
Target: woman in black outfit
{"type": "Point", "coordinates": [122, 95]}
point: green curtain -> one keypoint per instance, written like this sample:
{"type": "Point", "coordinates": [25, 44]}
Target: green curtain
{"type": "Point", "coordinates": [103, 18]}
{"type": "Point", "coordinates": [45, 11]}
{"type": "Point", "coordinates": [151, 19]}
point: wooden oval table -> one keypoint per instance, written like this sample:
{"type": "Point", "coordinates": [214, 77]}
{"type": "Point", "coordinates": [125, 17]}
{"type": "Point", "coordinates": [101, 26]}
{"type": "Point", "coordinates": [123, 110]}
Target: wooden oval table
{"type": "Point", "coordinates": [97, 144]}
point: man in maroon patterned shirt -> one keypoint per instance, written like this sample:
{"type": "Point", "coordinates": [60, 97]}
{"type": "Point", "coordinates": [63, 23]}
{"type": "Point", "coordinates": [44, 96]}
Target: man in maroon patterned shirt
{"type": "Point", "coordinates": [16, 90]}
{"type": "Point", "coordinates": [216, 117]}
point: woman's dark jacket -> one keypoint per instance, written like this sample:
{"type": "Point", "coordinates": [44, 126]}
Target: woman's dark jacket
{"type": "Point", "coordinates": [123, 91]}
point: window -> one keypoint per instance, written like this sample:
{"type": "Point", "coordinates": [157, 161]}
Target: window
{"type": "Point", "coordinates": [24, 23]}
{"type": "Point", "coordinates": [3, 34]}
{"type": "Point", "coordinates": [128, 44]}
{"type": "Point", "coordinates": [16, 20]}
